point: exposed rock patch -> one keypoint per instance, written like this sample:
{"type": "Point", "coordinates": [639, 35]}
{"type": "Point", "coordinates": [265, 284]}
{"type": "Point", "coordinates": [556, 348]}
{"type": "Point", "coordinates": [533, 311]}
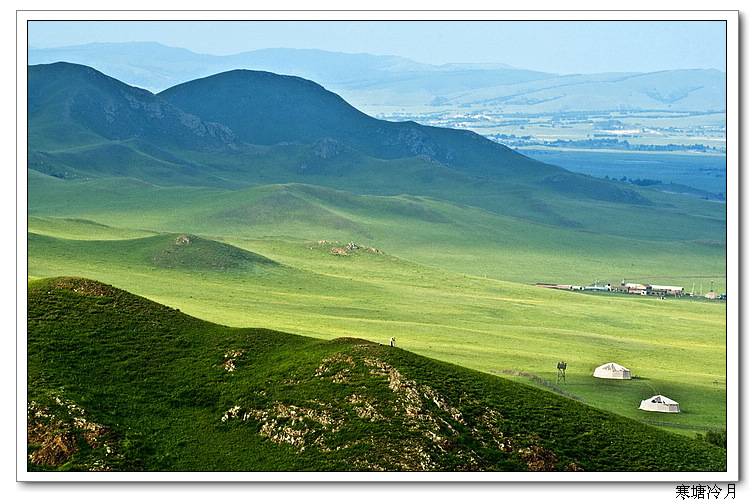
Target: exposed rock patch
{"type": "Point", "coordinates": [433, 423]}
{"type": "Point", "coordinates": [57, 433]}
{"type": "Point", "coordinates": [83, 286]}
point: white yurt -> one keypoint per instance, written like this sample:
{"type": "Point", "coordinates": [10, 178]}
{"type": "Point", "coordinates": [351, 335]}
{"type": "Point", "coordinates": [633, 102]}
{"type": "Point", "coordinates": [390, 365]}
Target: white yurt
{"type": "Point", "coordinates": [612, 370]}
{"type": "Point", "coordinates": [660, 403]}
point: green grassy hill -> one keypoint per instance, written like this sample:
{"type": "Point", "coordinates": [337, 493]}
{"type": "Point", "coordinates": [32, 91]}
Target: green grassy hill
{"type": "Point", "coordinates": [327, 290]}
{"type": "Point", "coordinates": [452, 236]}
{"type": "Point", "coordinates": [117, 382]}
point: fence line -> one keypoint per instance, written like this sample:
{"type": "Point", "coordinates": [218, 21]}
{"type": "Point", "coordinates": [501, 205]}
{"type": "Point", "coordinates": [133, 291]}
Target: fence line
{"type": "Point", "coordinates": [542, 381]}
{"type": "Point", "coordinates": [682, 426]}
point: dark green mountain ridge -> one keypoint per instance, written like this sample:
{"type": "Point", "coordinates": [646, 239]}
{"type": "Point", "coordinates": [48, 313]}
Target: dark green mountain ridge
{"type": "Point", "coordinates": [89, 126]}
{"type": "Point", "coordinates": [72, 105]}
{"type": "Point", "coordinates": [269, 109]}
{"type": "Point", "coordinates": [117, 382]}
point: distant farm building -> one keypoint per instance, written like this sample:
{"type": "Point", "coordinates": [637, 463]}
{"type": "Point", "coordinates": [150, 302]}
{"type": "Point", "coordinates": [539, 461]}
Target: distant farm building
{"type": "Point", "coordinates": [653, 289]}
{"type": "Point", "coordinates": [613, 371]}
{"type": "Point", "coordinates": [607, 287]}
{"type": "Point", "coordinates": [620, 288]}
{"type": "Point", "coordinates": [638, 289]}
{"type": "Point", "coordinates": [661, 404]}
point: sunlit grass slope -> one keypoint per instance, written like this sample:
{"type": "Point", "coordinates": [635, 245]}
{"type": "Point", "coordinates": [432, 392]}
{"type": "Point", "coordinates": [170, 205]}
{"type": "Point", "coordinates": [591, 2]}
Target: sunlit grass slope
{"type": "Point", "coordinates": [676, 346]}
{"type": "Point", "coordinates": [117, 382]}
{"type": "Point", "coordinates": [452, 236]}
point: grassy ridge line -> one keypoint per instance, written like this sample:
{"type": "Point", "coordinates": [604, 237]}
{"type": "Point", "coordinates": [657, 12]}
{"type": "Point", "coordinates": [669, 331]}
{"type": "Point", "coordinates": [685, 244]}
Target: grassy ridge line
{"type": "Point", "coordinates": [690, 219]}
{"type": "Point", "coordinates": [473, 322]}
{"type": "Point", "coordinates": [159, 383]}
{"type": "Point", "coordinates": [458, 238]}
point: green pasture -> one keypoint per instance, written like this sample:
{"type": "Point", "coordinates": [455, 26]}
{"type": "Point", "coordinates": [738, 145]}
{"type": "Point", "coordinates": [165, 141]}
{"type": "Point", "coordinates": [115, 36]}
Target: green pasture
{"type": "Point", "coordinates": [450, 236]}
{"type": "Point", "coordinates": [677, 347]}
{"type": "Point", "coordinates": [159, 380]}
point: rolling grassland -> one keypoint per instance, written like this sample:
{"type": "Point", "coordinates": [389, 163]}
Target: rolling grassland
{"type": "Point", "coordinates": [120, 383]}
{"type": "Point", "coordinates": [447, 235]}
{"type": "Point", "coordinates": [676, 347]}
{"type": "Point", "coordinates": [299, 237]}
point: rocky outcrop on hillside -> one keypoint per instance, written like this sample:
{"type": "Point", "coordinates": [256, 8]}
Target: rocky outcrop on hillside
{"type": "Point", "coordinates": [56, 433]}
{"type": "Point", "coordinates": [424, 429]}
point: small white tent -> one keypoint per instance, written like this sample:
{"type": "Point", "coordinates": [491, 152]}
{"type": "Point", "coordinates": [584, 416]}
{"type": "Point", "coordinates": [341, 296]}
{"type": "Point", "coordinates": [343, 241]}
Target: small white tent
{"type": "Point", "coordinates": [660, 403]}
{"type": "Point", "coordinates": [612, 370]}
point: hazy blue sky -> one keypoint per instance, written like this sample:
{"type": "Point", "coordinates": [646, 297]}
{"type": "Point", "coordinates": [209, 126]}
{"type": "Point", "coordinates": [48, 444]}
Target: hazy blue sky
{"type": "Point", "coordinates": [552, 46]}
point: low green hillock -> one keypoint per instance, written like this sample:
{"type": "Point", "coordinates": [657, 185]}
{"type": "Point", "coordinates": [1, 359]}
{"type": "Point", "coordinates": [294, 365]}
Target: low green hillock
{"type": "Point", "coordinates": [186, 251]}
{"type": "Point", "coordinates": [118, 382]}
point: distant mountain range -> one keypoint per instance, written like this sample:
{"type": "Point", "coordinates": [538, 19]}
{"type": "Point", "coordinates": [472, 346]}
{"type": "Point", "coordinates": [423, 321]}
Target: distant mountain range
{"type": "Point", "coordinates": [369, 82]}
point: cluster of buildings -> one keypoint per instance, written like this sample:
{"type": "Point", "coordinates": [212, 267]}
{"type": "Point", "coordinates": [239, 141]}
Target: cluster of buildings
{"type": "Point", "coordinates": [632, 288]}
{"type": "Point", "coordinates": [646, 289]}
